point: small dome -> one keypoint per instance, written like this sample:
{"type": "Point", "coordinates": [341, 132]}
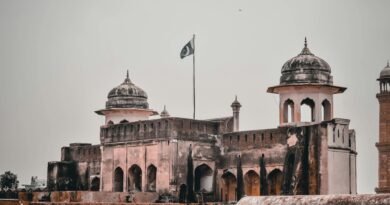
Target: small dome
{"type": "Point", "coordinates": [306, 68]}
{"type": "Point", "coordinates": [127, 95]}
{"type": "Point", "coordinates": [385, 73]}
{"type": "Point", "coordinates": [235, 103]}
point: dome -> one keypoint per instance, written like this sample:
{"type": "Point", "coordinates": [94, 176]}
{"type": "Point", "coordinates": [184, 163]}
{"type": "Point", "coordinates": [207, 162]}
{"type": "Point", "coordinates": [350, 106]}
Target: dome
{"type": "Point", "coordinates": [306, 68]}
{"type": "Point", "coordinates": [127, 95]}
{"type": "Point", "coordinates": [385, 73]}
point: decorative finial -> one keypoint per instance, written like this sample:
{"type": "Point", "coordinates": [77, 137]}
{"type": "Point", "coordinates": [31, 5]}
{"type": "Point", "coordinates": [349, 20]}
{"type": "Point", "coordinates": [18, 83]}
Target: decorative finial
{"type": "Point", "coordinates": [236, 95]}
{"type": "Point", "coordinates": [388, 63]}
{"type": "Point", "coordinates": [127, 79]}
{"type": "Point", "coordinates": [305, 42]}
{"type": "Point", "coordinates": [305, 50]}
{"type": "Point", "coordinates": [164, 113]}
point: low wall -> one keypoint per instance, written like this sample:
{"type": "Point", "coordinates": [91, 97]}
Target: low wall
{"type": "Point", "coordinates": [88, 197]}
{"type": "Point", "coordinates": [364, 199]}
{"type": "Point", "coordinates": [12, 202]}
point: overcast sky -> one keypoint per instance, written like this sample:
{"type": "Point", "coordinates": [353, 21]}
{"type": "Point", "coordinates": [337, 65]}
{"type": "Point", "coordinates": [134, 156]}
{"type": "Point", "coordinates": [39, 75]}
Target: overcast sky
{"type": "Point", "coordinates": [59, 60]}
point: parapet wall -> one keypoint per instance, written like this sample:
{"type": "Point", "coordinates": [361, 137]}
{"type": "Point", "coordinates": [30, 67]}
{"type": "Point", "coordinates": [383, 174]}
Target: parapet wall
{"type": "Point", "coordinates": [161, 128]}
{"type": "Point", "coordinates": [254, 139]}
{"type": "Point", "coordinates": [366, 199]}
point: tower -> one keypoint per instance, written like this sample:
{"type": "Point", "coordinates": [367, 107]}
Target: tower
{"type": "Point", "coordinates": [126, 103]}
{"type": "Point", "coordinates": [236, 115]}
{"type": "Point", "coordinates": [383, 145]}
{"type": "Point", "coordinates": [306, 81]}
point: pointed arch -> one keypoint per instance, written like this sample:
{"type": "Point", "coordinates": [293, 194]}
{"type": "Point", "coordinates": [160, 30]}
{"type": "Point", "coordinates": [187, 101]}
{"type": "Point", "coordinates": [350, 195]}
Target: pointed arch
{"type": "Point", "coordinates": [307, 110]}
{"type": "Point", "coordinates": [275, 180]}
{"type": "Point", "coordinates": [95, 184]}
{"type": "Point", "coordinates": [326, 110]}
{"type": "Point", "coordinates": [288, 111]}
{"type": "Point", "coordinates": [252, 183]}
{"type": "Point", "coordinates": [182, 193]}
{"type": "Point", "coordinates": [228, 188]}
{"type": "Point", "coordinates": [151, 178]}
{"type": "Point", "coordinates": [118, 180]}
{"type": "Point", "coordinates": [135, 178]}
{"type": "Point", "coordinates": [123, 121]}
{"type": "Point", "coordinates": [203, 178]}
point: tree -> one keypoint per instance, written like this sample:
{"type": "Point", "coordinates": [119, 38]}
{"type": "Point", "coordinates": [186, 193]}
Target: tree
{"type": "Point", "coordinates": [8, 180]}
{"type": "Point", "coordinates": [240, 180]}
{"type": "Point", "coordinates": [263, 177]}
{"type": "Point", "coordinates": [190, 177]}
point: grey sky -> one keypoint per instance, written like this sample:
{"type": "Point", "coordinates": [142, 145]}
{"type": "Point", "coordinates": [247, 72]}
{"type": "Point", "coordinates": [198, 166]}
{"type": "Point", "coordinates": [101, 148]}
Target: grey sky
{"type": "Point", "coordinates": [59, 59]}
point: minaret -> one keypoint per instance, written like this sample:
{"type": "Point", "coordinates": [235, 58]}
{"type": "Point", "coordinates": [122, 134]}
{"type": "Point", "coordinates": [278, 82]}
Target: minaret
{"type": "Point", "coordinates": [236, 115]}
{"type": "Point", "coordinates": [384, 135]}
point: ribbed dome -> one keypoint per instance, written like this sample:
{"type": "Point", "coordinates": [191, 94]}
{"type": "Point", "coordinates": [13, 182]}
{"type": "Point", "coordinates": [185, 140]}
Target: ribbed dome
{"type": "Point", "coordinates": [306, 68]}
{"type": "Point", "coordinates": [385, 73]}
{"type": "Point", "coordinates": [127, 95]}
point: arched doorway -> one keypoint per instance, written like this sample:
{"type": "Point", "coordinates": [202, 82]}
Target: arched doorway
{"type": "Point", "coordinates": [135, 178]}
{"type": "Point", "coordinates": [182, 193]}
{"type": "Point", "coordinates": [288, 111]}
{"type": "Point", "coordinates": [95, 184]}
{"type": "Point", "coordinates": [203, 178]}
{"type": "Point", "coordinates": [152, 176]}
{"type": "Point", "coordinates": [307, 110]}
{"type": "Point", "coordinates": [275, 180]}
{"type": "Point", "coordinates": [229, 185]}
{"type": "Point", "coordinates": [118, 180]}
{"type": "Point", "coordinates": [252, 183]}
{"type": "Point", "coordinates": [326, 110]}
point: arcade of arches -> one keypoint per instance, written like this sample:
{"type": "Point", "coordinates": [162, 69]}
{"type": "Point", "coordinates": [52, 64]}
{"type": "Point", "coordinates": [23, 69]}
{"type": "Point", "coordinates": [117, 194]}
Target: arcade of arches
{"type": "Point", "coordinates": [251, 184]}
{"type": "Point", "coordinates": [305, 111]}
{"type": "Point", "coordinates": [134, 180]}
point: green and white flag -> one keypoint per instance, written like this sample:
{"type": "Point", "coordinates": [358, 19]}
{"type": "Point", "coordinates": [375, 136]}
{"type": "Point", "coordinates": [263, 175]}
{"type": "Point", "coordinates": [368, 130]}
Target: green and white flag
{"type": "Point", "coordinates": [188, 49]}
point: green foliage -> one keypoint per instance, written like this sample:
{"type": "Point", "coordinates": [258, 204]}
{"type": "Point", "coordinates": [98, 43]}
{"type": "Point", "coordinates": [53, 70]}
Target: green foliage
{"type": "Point", "coordinates": [190, 177]}
{"type": "Point", "coordinates": [240, 180]}
{"type": "Point", "coordinates": [9, 180]}
{"type": "Point", "coordinates": [263, 177]}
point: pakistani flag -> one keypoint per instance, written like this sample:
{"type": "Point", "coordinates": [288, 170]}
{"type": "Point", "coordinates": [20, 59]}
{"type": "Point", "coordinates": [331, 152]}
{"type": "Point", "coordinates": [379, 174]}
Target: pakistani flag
{"type": "Point", "coordinates": [188, 49]}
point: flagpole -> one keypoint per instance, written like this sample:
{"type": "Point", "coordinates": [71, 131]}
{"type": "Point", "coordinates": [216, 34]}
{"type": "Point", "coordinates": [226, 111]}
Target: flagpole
{"type": "Point", "coordinates": [193, 73]}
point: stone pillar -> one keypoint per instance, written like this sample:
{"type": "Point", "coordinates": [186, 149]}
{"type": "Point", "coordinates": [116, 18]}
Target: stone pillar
{"type": "Point", "coordinates": [236, 115]}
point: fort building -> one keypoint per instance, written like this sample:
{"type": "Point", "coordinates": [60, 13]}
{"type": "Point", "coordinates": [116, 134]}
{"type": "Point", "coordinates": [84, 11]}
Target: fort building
{"type": "Point", "coordinates": [139, 154]}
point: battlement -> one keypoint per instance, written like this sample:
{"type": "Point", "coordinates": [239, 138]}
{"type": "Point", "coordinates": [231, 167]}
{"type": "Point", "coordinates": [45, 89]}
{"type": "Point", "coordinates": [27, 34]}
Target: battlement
{"type": "Point", "coordinates": [81, 152]}
{"type": "Point", "coordinates": [254, 139]}
{"type": "Point", "coordinates": [165, 128]}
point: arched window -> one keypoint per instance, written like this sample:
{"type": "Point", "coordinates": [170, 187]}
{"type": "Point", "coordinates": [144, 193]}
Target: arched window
{"type": "Point", "coordinates": [203, 178]}
{"type": "Point", "coordinates": [307, 110]}
{"type": "Point", "coordinates": [135, 178]}
{"type": "Point", "coordinates": [110, 123]}
{"type": "Point", "coordinates": [288, 111]}
{"type": "Point", "coordinates": [152, 176]}
{"type": "Point", "coordinates": [252, 183]}
{"type": "Point", "coordinates": [118, 180]}
{"type": "Point", "coordinates": [326, 110]}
